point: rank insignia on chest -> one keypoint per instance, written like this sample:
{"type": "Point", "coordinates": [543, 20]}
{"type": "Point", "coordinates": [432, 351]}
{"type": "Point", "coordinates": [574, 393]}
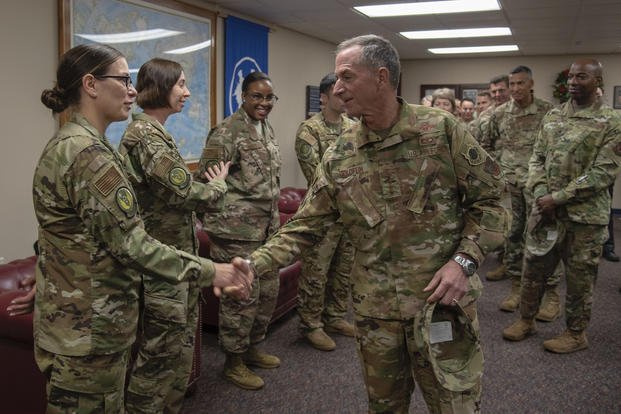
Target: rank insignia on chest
{"type": "Point", "coordinates": [474, 155]}
{"type": "Point", "coordinates": [125, 201]}
{"type": "Point", "coordinates": [178, 177]}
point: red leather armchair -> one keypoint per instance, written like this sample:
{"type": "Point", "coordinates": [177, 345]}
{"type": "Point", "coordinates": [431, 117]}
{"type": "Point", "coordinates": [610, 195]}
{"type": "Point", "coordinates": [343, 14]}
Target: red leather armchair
{"type": "Point", "coordinates": [22, 386]}
{"type": "Point", "coordinates": [290, 199]}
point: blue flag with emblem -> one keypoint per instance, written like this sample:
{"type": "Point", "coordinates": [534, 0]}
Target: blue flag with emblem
{"type": "Point", "coordinates": [245, 52]}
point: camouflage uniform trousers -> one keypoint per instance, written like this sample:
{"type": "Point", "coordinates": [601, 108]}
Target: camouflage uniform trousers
{"type": "Point", "coordinates": [392, 360]}
{"type": "Point", "coordinates": [324, 282]}
{"type": "Point", "coordinates": [580, 250]}
{"type": "Point", "coordinates": [514, 244]}
{"type": "Point", "coordinates": [83, 384]}
{"type": "Point", "coordinates": [162, 368]}
{"type": "Point", "coordinates": [244, 323]}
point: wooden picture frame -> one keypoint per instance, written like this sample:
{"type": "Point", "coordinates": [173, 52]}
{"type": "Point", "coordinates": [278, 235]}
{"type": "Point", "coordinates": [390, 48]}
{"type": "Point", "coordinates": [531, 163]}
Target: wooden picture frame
{"type": "Point", "coordinates": [461, 90]}
{"type": "Point", "coordinates": [616, 98]}
{"type": "Point", "coordinates": [142, 30]}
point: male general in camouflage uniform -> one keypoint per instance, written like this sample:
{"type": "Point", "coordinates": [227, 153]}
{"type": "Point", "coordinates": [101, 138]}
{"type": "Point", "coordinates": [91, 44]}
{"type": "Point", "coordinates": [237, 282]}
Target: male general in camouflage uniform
{"type": "Point", "coordinates": [513, 127]}
{"type": "Point", "coordinates": [324, 282]}
{"type": "Point", "coordinates": [168, 197]}
{"type": "Point", "coordinates": [416, 195]}
{"type": "Point", "coordinates": [93, 248]}
{"type": "Point", "coordinates": [250, 215]}
{"type": "Point", "coordinates": [499, 90]}
{"type": "Point", "coordinates": [576, 158]}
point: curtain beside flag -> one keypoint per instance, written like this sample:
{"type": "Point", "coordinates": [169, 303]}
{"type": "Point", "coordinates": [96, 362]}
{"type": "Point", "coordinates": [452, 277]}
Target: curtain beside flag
{"type": "Point", "coordinates": [245, 52]}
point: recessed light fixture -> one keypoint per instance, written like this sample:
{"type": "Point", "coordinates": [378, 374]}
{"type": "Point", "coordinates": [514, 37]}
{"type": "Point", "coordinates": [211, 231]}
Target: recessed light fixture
{"type": "Point", "coordinates": [457, 33]}
{"type": "Point", "coordinates": [429, 7]}
{"type": "Point", "coordinates": [474, 49]}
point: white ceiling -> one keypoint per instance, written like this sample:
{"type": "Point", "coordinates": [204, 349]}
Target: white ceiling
{"type": "Point", "coordinates": [539, 27]}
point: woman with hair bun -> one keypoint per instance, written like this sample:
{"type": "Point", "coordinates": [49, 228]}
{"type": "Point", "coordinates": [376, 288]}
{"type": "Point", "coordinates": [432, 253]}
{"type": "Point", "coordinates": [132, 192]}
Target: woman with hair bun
{"type": "Point", "coordinates": [93, 246]}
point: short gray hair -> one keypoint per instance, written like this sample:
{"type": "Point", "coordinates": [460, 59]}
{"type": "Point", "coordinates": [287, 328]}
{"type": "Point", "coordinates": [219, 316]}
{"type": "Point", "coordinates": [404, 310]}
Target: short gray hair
{"type": "Point", "coordinates": [376, 52]}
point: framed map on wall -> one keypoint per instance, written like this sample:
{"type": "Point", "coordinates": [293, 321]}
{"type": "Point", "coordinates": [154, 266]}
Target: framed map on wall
{"type": "Point", "coordinates": [143, 30]}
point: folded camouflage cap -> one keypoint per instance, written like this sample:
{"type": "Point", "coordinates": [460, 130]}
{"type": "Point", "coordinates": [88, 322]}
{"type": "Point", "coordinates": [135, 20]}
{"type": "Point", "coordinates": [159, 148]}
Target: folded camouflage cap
{"type": "Point", "coordinates": [541, 233]}
{"type": "Point", "coordinates": [452, 345]}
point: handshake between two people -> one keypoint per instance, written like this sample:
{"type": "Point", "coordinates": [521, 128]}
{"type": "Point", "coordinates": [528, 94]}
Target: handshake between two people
{"type": "Point", "coordinates": [233, 279]}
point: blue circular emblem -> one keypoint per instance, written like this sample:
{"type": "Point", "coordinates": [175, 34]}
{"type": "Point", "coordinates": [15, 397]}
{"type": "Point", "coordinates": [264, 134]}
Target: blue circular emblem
{"type": "Point", "coordinates": [242, 68]}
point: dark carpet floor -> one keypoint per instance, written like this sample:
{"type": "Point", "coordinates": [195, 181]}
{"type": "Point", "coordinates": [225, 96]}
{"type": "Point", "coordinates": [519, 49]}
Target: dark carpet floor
{"type": "Point", "coordinates": [518, 377]}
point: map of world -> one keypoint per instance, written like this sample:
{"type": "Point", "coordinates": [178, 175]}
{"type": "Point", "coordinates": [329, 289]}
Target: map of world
{"type": "Point", "coordinates": [142, 33]}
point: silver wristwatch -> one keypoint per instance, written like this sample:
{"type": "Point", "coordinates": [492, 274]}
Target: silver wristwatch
{"type": "Point", "coordinates": [467, 265]}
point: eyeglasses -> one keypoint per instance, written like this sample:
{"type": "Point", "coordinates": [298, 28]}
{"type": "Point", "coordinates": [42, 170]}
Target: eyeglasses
{"type": "Point", "coordinates": [257, 98]}
{"type": "Point", "coordinates": [127, 80]}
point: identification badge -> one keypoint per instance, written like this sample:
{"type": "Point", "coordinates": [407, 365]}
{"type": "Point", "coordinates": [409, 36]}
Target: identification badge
{"type": "Point", "coordinates": [552, 235]}
{"type": "Point", "coordinates": [440, 332]}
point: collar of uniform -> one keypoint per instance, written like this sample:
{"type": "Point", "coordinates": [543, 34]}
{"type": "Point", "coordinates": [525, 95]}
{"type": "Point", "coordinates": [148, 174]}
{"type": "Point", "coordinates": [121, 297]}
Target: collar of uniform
{"type": "Point", "coordinates": [141, 116]}
{"type": "Point", "coordinates": [570, 110]}
{"type": "Point", "coordinates": [81, 120]}
{"type": "Point", "coordinates": [366, 135]}
{"type": "Point", "coordinates": [250, 122]}
{"type": "Point", "coordinates": [513, 108]}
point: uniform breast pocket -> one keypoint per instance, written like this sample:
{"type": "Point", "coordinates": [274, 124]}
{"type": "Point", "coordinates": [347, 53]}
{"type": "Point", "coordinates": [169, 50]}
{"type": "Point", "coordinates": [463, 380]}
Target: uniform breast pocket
{"type": "Point", "coordinates": [421, 189]}
{"type": "Point", "coordinates": [254, 161]}
{"type": "Point", "coordinates": [361, 215]}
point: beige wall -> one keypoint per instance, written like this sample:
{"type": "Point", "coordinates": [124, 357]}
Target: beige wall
{"type": "Point", "coordinates": [29, 55]}
{"type": "Point", "coordinates": [29, 46]}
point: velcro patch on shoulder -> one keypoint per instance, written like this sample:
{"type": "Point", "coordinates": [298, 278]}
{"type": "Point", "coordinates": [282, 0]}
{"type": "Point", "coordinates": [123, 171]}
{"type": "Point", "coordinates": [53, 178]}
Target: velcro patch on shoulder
{"type": "Point", "coordinates": [491, 167]}
{"type": "Point", "coordinates": [213, 153]}
{"type": "Point", "coordinates": [163, 166]}
{"type": "Point", "coordinates": [108, 181]}
{"type": "Point", "coordinates": [474, 155]}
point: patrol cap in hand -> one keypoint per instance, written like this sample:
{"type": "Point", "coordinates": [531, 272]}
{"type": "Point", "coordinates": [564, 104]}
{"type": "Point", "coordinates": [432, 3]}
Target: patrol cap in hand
{"type": "Point", "coordinates": [452, 345]}
{"type": "Point", "coordinates": [541, 233]}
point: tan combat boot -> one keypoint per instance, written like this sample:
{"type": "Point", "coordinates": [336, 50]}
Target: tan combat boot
{"type": "Point", "coordinates": [519, 330]}
{"type": "Point", "coordinates": [568, 341]}
{"type": "Point", "coordinates": [550, 306]}
{"type": "Point", "coordinates": [238, 373]}
{"type": "Point", "coordinates": [320, 340]}
{"type": "Point", "coordinates": [512, 301]}
{"type": "Point", "coordinates": [260, 359]}
{"type": "Point", "coordinates": [499, 273]}
{"type": "Point", "coordinates": [341, 327]}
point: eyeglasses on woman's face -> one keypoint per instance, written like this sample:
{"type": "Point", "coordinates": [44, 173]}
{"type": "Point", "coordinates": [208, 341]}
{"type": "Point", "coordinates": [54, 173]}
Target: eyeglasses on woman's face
{"type": "Point", "coordinates": [126, 79]}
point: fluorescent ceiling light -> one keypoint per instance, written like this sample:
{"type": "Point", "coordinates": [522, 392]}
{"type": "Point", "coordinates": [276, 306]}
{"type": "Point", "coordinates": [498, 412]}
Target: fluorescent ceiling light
{"type": "Point", "coordinates": [191, 48]}
{"type": "Point", "coordinates": [130, 36]}
{"type": "Point", "coordinates": [457, 33]}
{"type": "Point", "coordinates": [429, 7]}
{"type": "Point", "coordinates": [474, 49]}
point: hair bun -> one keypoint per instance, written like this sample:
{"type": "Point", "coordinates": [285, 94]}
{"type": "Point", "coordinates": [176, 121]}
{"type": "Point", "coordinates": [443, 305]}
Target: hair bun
{"type": "Point", "coordinates": [54, 99]}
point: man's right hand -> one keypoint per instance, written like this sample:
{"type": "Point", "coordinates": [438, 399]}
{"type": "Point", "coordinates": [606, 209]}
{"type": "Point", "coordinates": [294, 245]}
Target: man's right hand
{"type": "Point", "coordinates": [233, 279]}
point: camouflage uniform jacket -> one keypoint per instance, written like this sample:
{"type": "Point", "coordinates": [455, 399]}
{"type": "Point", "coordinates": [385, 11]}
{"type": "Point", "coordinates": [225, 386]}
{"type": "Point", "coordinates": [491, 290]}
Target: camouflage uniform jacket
{"type": "Point", "coordinates": [408, 202]}
{"type": "Point", "coordinates": [167, 194]}
{"type": "Point", "coordinates": [251, 212]}
{"type": "Point", "coordinates": [313, 138]}
{"type": "Point", "coordinates": [93, 247]}
{"type": "Point", "coordinates": [576, 157]}
{"type": "Point", "coordinates": [479, 127]}
{"type": "Point", "coordinates": [513, 130]}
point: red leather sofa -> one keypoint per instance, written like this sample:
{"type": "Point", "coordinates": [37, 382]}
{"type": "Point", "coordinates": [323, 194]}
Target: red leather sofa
{"type": "Point", "coordinates": [22, 386]}
{"type": "Point", "coordinates": [290, 199]}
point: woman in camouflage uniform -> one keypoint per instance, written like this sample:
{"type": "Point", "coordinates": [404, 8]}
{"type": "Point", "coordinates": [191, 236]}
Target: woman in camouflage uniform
{"type": "Point", "coordinates": [168, 198]}
{"type": "Point", "coordinates": [250, 215]}
{"type": "Point", "coordinates": [93, 246]}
